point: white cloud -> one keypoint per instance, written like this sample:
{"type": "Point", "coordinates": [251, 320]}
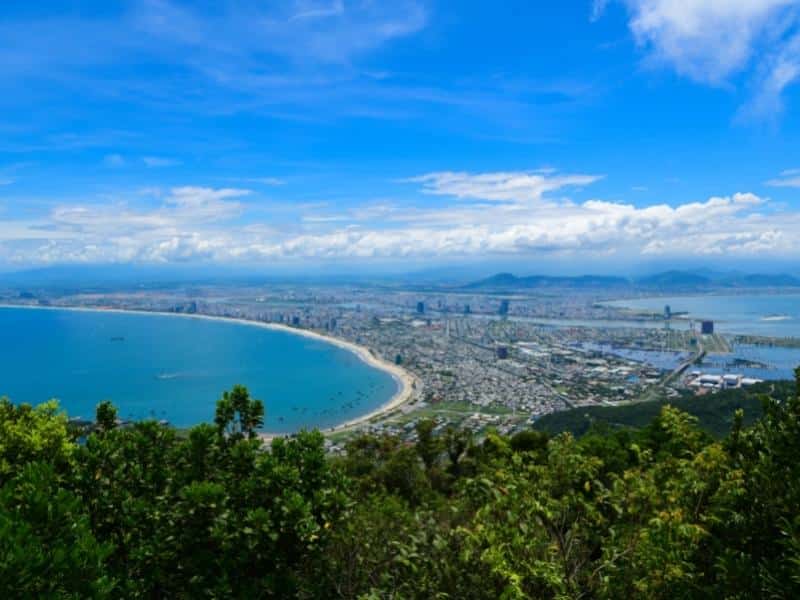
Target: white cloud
{"type": "Point", "coordinates": [503, 186]}
{"type": "Point", "coordinates": [711, 41]}
{"type": "Point", "coordinates": [789, 178]}
{"type": "Point", "coordinates": [201, 204]}
{"type": "Point", "coordinates": [263, 180]}
{"type": "Point", "coordinates": [595, 226]}
{"type": "Point", "coordinates": [778, 72]}
{"type": "Point", "coordinates": [317, 10]}
{"type": "Point", "coordinates": [328, 32]}
{"type": "Point", "coordinates": [209, 224]}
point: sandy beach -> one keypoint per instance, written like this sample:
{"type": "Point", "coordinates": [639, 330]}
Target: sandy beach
{"type": "Point", "coordinates": [406, 382]}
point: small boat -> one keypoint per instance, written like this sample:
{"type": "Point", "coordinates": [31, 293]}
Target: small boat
{"type": "Point", "coordinates": [117, 338]}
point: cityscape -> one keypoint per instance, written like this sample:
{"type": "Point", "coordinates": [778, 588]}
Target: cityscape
{"type": "Point", "coordinates": [479, 359]}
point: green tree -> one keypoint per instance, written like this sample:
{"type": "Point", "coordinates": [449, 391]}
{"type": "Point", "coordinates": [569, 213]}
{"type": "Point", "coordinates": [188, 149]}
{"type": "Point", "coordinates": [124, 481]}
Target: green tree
{"type": "Point", "coordinates": [428, 446]}
{"type": "Point", "coordinates": [47, 549]}
{"type": "Point", "coordinates": [106, 416]}
{"type": "Point", "coordinates": [29, 434]}
{"type": "Point", "coordinates": [238, 415]}
{"type": "Point", "coordinates": [756, 528]}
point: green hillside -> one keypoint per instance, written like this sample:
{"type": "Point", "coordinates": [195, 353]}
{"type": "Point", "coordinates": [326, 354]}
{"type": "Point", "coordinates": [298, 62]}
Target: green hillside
{"type": "Point", "coordinates": [658, 512]}
{"type": "Point", "coordinates": [714, 412]}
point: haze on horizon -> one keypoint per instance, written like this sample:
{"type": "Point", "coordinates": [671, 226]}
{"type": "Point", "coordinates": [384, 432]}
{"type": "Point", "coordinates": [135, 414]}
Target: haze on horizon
{"type": "Point", "coordinates": [598, 136]}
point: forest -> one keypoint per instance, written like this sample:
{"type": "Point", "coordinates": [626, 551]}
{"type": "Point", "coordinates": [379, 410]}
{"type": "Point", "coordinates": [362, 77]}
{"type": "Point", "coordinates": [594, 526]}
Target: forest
{"type": "Point", "coordinates": [715, 412]}
{"type": "Point", "coordinates": [663, 510]}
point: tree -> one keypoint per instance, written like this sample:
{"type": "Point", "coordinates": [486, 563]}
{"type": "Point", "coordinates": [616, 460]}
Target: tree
{"type": "Point", "coordinates": [538, 526]}
{"type": "Point", "coordinates": [47, 548]}
{"type": "Point", "coordinates": [238, 415]}
{"type": "Point", "coordinates": [106, 416]}
{"type": "Point", "coordinates": [148, 512]}
{"type": "Point", "coordinates": [428, 446]}
{"type": "Point", "coordinates": [30, 434]}
{"type": "Point", "coordinates": [755, 524]}
{"type": "Point", "coordinates": [456, 442]}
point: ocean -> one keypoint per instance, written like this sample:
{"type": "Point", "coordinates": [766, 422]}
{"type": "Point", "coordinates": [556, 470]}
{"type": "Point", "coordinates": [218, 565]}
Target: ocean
{"type": "Point", "coordinates": [175, 368]}
{"type": "Point", "coordinates": [776, 315]}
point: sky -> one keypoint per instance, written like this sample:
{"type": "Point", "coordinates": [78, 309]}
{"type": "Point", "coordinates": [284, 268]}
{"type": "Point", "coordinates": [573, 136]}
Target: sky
{"type": "Point", "coordinates": [332, 134]}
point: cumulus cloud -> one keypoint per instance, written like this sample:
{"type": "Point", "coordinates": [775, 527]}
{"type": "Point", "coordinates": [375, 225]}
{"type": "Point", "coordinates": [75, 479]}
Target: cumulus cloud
{"type": "Point", "coordinates": [697, 228]}
{"type": "Point", "coordinates": [194, 223]}
{"type": "Point", "coordinates": [711, 41]}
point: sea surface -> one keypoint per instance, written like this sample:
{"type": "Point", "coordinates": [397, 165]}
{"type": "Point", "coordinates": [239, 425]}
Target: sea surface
{"type": "Point", "coordinates": [747, 314]}
{"type": "Point", "coordinates": [175, 368]}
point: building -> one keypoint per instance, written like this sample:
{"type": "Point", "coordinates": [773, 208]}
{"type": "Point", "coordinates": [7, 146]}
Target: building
{"type": "Point", "coordinates": [502, 352]}
{"type": "Point", "coordinates": [503, 310]}
{"type": "Point", "coordinates": [667, 312]}
{"type": "Point", "coordinates": [707, 327]}
{"type": "Point", "coordinates": [420, 308]}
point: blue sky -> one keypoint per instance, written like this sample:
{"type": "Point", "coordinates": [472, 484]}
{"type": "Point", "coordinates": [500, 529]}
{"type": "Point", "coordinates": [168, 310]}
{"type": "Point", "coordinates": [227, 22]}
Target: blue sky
{"type": "Point", "coordinates": [404, 133]}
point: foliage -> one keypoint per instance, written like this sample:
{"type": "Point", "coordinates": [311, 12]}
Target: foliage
{"type": "Point", "coordinates": [32, 434]}
{"type": "Point", "coordinates": [47, 548]}
{"type": "Point", "coordinates": [659, 511]}
{"type": "Point", "coordinates": [715, 413]}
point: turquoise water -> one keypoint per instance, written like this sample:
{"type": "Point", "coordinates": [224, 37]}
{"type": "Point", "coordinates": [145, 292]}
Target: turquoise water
{"type": "Point", "coordinates": [176, 368]}
{"type": "Point", "coordinates": [747, 314]}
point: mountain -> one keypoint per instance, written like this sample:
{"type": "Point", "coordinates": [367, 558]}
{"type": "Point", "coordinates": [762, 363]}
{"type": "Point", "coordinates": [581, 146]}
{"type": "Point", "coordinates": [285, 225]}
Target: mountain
{"type": "Point", "coordinates": [762, 280]}
{"type": "Point", "coordinates": [704, 279]}
{"type": "Point", "coordinates": [507, 281]}
{"type": "Point", "coordinates": [674, 279]}
{"type": "Point", "coordinates": [666, 280]}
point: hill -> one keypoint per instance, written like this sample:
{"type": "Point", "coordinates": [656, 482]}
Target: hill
{"type": "Point", "coordinates": [673, 279]}
{"type": "Point", "coordinates": [715, 413]}
{"type": "Point", "coordinates": [139, 511]}
{"type": "Point", "coordinates": [762, 280]}
{"type": "Point", "coordinates": [664, 281]}
{"type": "Point", "coordinates": [508, 281]}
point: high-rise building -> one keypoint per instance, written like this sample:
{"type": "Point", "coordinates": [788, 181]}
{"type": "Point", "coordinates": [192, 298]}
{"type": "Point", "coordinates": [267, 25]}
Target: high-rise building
{"type": "Point", "coordinates": [667, 312]}
{"type": "Point", "coordinates": [420, 308]}
{"type": "Point", "coordinates": [502, 352]}
{"type": "Point", "coordinates": [707, 327]}
{"type": "Point", "coordinates": [503, 310]}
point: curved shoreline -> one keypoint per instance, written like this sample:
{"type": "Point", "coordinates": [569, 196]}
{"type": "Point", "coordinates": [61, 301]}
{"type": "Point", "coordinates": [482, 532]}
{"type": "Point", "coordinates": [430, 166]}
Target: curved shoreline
{"type": "Point", "coordinates": [405, 381]}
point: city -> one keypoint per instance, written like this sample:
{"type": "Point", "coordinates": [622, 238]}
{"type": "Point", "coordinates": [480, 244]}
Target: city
{"type": "Point", "coordinates": [479, 360]}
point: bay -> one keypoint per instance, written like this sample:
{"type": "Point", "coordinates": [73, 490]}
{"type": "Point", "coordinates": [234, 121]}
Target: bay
{"type": "Point", "coordinates": [766, 315]}
{"type": "Point", "coordinates": [175, 368]}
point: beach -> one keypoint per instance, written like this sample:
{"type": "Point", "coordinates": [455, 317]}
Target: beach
{"type": "Point", "coordinates": [405, 381]}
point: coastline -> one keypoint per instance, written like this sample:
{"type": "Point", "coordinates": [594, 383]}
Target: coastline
{"type": "Point", "coordinates": [406, 382]}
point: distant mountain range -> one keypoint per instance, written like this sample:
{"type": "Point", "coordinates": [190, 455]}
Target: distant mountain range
{"type": "Point", "coordinates": [509, 281]}
{"type": "Point", "coordinates": [667, 280]}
